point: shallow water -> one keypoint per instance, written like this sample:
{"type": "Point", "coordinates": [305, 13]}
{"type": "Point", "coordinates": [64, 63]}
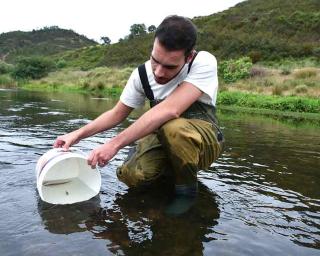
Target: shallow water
{"type": "Point", "coordinates": [261, 198]}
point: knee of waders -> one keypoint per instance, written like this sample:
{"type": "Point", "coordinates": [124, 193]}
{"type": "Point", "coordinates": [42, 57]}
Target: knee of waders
{"type": "Point", "coordinates": [132, 178]}
{"type": "Point", "coordinates": [143, 169]}
{"type": "Point", "coordinates": [179, 137]}
{"type": "Point", "coordinates": [170, 132]}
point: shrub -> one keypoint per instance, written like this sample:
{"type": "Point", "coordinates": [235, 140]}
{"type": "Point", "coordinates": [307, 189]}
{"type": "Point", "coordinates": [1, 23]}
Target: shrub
{"type": "Point", "coordinates": [305, 73]}
{"type": "Point", "coordinates": [302, 88]}
{"type": "Point", "coordinates": [277, 90]}
{"type": "Point", "coordinates": [5, 68]}
{"type": "Point", "coordinates": [285, 71]}
{"type": "Point", "coordinates": [7, 81]}
{"type": "Point", "coordinates": [258, 72]}
{"type": "Point", "coordinates": [233, 70]}
{"type": "Point", "coordinates": [99, 85]}
{"type": "Point", "coordinates": [32, 67]}
{"type": "Point", "coordinates": [61, 63]}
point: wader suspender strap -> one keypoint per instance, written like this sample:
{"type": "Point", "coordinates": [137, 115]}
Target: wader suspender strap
{"type": "Point", "coordinates": [145, 82]}
{"type": "Point", "coordinates": [149, 93]}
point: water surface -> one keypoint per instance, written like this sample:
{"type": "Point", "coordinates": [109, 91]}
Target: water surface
{"type": "Point", "coordinates": [261, 197]}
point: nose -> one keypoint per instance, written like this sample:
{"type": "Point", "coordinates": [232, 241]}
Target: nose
{"type": "Point", "coordinates": [159, 71]}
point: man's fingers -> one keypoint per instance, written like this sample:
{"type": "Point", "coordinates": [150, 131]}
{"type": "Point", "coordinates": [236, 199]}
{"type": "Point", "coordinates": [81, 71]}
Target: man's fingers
{"type": "Point", "coordinates": [66, 146]}
{"type": "Point", "coordinates": [96, 159]}
{"type": "Point", "coordinates": [58, 143]}
{"type": "Point", "coordinates": [92, 160]}
{"type": "Point", "coordinates": [102, 162]}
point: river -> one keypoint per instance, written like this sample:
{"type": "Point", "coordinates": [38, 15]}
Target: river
{"type": "Point", "coordinates": [262, 197]}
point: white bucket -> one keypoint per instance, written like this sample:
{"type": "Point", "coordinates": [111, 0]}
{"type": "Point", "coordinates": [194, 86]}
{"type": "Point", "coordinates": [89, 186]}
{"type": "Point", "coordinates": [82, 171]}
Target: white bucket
{"type": "Point", "coordinates": [64, 177]}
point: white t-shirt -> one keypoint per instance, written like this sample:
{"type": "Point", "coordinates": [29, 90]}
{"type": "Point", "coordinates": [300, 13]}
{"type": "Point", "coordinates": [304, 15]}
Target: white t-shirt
{"type": "Point", "coordinates": [203, 75]}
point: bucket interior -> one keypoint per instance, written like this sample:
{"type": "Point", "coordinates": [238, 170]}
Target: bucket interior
{"type": "Point", "coordinates": [69, 181]}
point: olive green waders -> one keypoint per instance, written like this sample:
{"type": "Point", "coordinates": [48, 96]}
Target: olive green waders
{"type": "Point", "coordinates": [179, 148]}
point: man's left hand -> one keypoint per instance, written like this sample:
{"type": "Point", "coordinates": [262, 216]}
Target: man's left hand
{"type": "Point", "coordinates": [102, 155]}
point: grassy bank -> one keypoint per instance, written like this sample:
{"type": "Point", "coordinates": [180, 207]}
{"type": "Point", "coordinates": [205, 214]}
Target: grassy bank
{"type": "Point", "coordinates": [281, 79]}
{"type": "Point", "coordinates": [98, 81]}
{"type": "Point", "coordinates": [278, 103]}
{"type": "Point", "coordinates": [282, 89]}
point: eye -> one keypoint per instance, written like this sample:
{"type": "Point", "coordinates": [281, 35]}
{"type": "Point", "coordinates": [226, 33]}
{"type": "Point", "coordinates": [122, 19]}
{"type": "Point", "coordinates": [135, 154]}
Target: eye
{"type": "Point", "coordinates": [170, 67]}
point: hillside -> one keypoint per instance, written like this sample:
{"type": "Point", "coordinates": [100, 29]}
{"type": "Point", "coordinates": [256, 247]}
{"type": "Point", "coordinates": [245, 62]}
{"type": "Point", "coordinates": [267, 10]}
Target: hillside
{"type": "Point", "coordinates": [43, 42]}
{"type": "Point", "coordinates": [263, 30]}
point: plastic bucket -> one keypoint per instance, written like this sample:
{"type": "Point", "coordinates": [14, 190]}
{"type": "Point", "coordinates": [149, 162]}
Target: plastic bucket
{"type": "Point", "coordinates": [64, 177]}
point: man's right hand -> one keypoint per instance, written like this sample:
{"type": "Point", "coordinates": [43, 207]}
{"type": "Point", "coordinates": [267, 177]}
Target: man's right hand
{"type": "Point", "coordinates": [67, 140]}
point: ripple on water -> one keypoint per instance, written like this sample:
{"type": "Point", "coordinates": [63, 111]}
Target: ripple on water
{"type": "Point", "coordinates": [245, 197]}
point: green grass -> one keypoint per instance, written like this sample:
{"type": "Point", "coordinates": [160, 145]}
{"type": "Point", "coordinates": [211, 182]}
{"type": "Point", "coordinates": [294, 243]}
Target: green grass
{"type": "Point", "coordinates": [249, 100]}
{"type": "Point", "coordinates": [313, 118]}
{"type": "Point", "coordinates": [301, 81]}
{"type": "Point", "coordinates": [7, 82]}
{"type": "Point", "coordinates": [246, 93]}
{"type": "Point", "coordinates": [98, 80]}
{"type": "Point", "coordinates": [114, 91]}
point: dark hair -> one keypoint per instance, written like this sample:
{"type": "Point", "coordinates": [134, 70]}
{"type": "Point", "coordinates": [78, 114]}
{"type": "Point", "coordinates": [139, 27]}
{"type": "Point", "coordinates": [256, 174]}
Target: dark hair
{"type": "Point", "coordinates": [177, 33]}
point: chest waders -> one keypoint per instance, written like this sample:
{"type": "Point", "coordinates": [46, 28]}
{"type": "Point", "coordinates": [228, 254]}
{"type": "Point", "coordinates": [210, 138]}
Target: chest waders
{"type": "Point", "coordinates": [198, 110]}
{"type": "Point", "coordinates": [175, 152]}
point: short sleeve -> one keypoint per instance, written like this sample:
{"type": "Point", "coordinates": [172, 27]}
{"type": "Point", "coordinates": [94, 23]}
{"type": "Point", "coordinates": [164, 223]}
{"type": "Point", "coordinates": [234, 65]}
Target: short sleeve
{"type": "Point", "coordinates": [132, 94]}
{"type": "Point", "coordinates": [203, 75]}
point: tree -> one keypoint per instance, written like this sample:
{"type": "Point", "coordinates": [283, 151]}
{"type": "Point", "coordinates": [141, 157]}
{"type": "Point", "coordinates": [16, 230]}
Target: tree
{"type": "Point", "coordinates": [32, 67]}
{"type": "Point", "coordinates": [106, 40]}
{"type": "Point", "coordinates": [152, 28]}
{"type": "Point", "coordinates": [137, 30]}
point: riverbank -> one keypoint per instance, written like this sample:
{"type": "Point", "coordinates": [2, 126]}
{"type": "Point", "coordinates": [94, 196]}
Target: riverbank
{"type": "Point", "coordinates": [285, 89]}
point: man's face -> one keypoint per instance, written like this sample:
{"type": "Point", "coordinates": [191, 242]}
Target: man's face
{"type": "Point", "coordinates": [165, 64]}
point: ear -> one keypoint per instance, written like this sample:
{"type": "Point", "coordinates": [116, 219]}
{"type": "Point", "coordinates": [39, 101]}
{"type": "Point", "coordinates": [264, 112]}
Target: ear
{"type": "Point", "coordinates": [190, 56]}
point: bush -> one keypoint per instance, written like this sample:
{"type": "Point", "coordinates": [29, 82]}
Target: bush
{"type": "Point", "coordinates": [5, 68]}
{"type": "Point", "coordinates": [294, 104]}
{"type": "Point", "coordinates": [233, 70]}
{"type": "Point", "coordinates": [7, 81]}
{"type": "Point", "coordinates": [61, 63]}
{"type": "Point", "coordinates": [305, 73]}
{"type": "Point", "coordinates": [302, 88]}
{"type": "Point", "coordinates": [258, 72]}
{"type": "Point", "coordinates": [32, 67]}
{"type": "Point", "coordinates": [285, 71]}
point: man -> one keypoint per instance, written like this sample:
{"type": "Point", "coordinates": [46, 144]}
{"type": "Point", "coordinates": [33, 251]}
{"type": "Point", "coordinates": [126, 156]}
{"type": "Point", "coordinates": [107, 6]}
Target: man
{"type": "Point", "coordinates": [178, 135]}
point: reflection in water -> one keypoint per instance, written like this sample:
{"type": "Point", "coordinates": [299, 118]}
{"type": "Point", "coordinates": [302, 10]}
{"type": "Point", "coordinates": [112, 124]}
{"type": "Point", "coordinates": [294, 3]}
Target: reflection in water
{"type": "Point", "coordinates": [136, 223]}
{"type": "Point", "coordinates": [261, 197]}
{"type": "Point", "coordinates": [67, 219]}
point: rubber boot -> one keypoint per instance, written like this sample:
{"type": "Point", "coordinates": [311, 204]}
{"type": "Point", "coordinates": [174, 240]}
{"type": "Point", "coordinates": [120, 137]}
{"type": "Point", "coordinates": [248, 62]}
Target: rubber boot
{"type": "Point", "coordinates": [185, 196]}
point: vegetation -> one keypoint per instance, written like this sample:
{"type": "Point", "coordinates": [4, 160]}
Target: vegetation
{"type": "Point", "coordinates": [32, 67]}
{"type": "Point", "coordinates": [268, 52]}
{"type": "Point", "coordinates": [7, 81]}
{"type": "Point", "coordinates": [233, 70]}
{"type": "Point", "coordinates": [284, 80]}
{"type": "Point", "coordinates": [262, 30]}
{"type": "Point", "coordinates": [101, 80]}
{"type": "Point", "coordinates": [5, 68]}
{"type": "Point", "coordinates": [106, 40]}
{"type": "Point", "coordinates": [293, 104]}
{"type": "Point", "coordinates": [44, 42]}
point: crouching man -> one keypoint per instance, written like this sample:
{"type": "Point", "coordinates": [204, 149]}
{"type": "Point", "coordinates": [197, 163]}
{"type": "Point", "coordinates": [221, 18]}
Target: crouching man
{"type": "Point", "coordinates": [179, 134]}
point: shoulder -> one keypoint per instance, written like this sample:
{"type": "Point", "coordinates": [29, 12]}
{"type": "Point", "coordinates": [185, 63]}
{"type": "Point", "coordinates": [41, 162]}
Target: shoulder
{"type": "Point", "coordinates": [204, 62]}
{"type": "Point", "coordinates": [206, 58]}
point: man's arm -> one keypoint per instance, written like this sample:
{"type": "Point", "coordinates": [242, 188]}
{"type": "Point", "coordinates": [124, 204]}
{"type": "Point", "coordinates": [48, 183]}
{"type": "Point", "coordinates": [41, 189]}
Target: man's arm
{"type": "Point", "coordinates": [105, 121]}
{"type": "Point", "coordinates": [172, 107]}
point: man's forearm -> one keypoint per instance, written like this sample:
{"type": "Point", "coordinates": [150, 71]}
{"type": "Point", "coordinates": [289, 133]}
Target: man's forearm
{"type": "Point", "coordinates": [104, 122]}
{"type": "Point", "coordinates": [146, 124]}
